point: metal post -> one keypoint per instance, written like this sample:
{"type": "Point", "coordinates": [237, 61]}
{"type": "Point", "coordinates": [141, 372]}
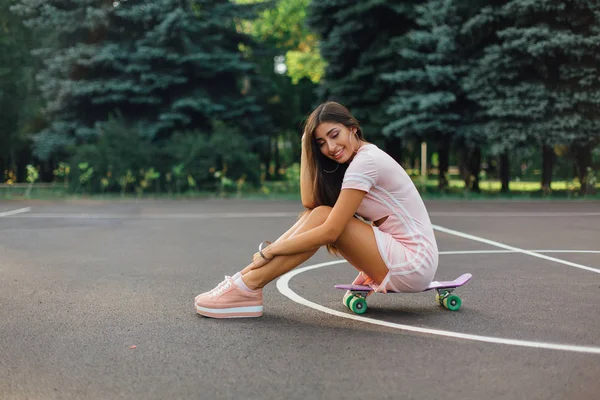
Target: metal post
{"type": "Point", "coordinates": [423, 165]}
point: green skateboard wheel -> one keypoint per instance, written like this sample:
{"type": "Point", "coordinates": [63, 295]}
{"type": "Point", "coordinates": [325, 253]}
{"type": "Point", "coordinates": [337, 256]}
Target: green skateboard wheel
{"type": "Point", "coordinates": [439, 297]}
{"type": "Point", "coordinates": [452, 302]}
{"type": "Point", "coordinates": [347, 299]}
{"type": "Point", "coordinates": [358, 305]}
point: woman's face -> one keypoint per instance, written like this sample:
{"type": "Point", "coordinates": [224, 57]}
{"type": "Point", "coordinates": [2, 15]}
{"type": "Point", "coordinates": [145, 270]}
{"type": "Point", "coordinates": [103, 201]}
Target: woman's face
{"type": "Point", "coordinates": [336, 141]}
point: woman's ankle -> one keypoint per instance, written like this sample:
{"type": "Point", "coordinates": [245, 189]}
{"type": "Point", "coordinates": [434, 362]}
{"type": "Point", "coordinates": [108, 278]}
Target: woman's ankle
{"type": "Point", "coordinates": [249, 282]}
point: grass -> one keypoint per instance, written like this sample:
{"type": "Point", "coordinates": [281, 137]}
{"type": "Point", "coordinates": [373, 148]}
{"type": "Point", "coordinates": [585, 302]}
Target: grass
{"type": "Point", "coordinates": [495, 186]}
{"type": "Point", "coordinates": [281, 190]}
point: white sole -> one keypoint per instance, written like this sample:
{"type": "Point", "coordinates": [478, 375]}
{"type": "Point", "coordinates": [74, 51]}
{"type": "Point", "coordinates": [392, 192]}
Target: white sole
{"type": "Point", "coordinates": [233, 312]}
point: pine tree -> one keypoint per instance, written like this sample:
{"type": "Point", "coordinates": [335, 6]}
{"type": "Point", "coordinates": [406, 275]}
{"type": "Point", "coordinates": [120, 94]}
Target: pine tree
{"type": "Point", "coordinates": [19, 102]}
{"type": "Point", "coordinates": [429, 101]}
{"type": "Point", "coordinates": [281, 31]}
{"type": "Point", "coordinates": [538, 84]}
{"type": "Point", "coordinates": [164, 65]}
{"type": "Point", "coordinates": [355, 43]}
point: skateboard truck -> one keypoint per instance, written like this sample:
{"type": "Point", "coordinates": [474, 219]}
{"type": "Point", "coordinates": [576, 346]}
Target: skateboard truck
{"type": "Point", "coordinates": [444, 297]}
{"type": "Point", "coordinates": [355, 298]}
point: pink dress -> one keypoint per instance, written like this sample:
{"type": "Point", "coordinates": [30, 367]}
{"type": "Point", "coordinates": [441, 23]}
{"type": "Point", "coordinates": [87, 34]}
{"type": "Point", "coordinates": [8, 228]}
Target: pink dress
{"type": "Point", "coordinates": [405, 240]}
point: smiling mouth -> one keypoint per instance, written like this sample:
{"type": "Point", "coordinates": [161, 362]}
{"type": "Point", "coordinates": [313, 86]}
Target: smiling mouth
{"type": "Point", "coordinates": [338, 154]}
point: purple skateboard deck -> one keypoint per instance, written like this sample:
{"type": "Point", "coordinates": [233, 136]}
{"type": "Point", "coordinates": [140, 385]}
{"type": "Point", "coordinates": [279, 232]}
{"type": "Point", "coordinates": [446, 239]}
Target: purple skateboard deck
{"type": "Point", "coordinates": [461, 280]}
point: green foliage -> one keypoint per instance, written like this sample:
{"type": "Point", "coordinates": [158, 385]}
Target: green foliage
{"type": "Point", "coordinates": [542, 71]}
{"type": "Point", "coordinates": [355, 45]}
{"type": "Point", "coordinates": [120, 148]}
{"type": "Point", "coordinates": [32, 177]}
{"type": "Point", "coordinates": [282, 26]}
{"type": "Point", "coordinates": [146, 179]}
{"type": "Point", "coordinates": [427, 104]}
{"type": "Point", "coordinates": [85, 174]}
{"type": "Point", "coordinates": [125, 180]}
{"type": "Point", "coordinates": [164, 65]}
{"type": "Point", "coordinates": [209, 159]}
{"type": "Point", "coordinates": [305, 64]}
{"type": "Point", "coordinates": [19, 102]}
{"type": "Point", "coordinates": [62, 171]}
{"type": "Point", "coordinates": [124, 159]}
{"type": "Point", "coordinates": [178, 96]}
{"type": "Point", "coordinates": [288, 96]}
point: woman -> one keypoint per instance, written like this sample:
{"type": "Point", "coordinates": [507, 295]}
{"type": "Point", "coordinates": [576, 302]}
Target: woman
{"type": "Point", "coordinates": [342, 176]}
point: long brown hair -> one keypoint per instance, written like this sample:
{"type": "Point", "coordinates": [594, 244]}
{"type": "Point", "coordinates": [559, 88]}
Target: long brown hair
{"type": "Point", "coordinates": [327, 185]}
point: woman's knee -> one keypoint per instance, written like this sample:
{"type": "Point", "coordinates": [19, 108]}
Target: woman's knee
{"type": "Point", "coordinates": [319, 215]}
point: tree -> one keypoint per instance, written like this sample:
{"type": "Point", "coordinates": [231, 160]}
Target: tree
{"type": "Point", "coordinates": [19, 100]}
{"type": "Point", "coordinates": [284, 35]}
{"type": "Point", "coordinates": [429, 101]}
{"type": "Point", "coordinates": [538, 83]}
{"type": "Point", "coordinates": [164, 65]}
{"type": "Point", "coordinates": [355, 43]}
{"type": "Point", "coordinates": [282, 26]}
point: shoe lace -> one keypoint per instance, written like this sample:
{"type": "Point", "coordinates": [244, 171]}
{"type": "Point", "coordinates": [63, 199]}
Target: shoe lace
{"type": "Point", "coordinates": [227, 277]}
{"type": "Point", "coordinates": [221, 287]}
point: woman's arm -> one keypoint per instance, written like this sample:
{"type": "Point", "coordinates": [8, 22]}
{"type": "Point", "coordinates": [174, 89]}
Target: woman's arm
{"type": "Point", "coordinates": [306, 179]}
{"type": "Point", "coordinates": [322, 235]}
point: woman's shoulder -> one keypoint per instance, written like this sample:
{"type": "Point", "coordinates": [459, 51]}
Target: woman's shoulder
{"type": "Point", "coordinates": [365, 154]}
{"type": "Point", "coordinates": [371, 156]}
{"type": "Point", "coordinates": [364, 162]}
{"type": "Point", "coordinates": [370, 153]}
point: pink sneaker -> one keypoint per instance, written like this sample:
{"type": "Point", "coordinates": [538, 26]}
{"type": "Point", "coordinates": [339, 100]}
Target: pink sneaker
{"type": "Point", "coordinates": [227, 300]}
{"type": "Point", "coordinates": [227, 278]}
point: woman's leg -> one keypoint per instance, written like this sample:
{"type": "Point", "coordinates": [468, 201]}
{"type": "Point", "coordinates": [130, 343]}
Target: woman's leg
{"type": "Point", "coordinates": [356, 243]}
{"type": "Point", "coordinates": [301, 219]}
{"type": "Point", "coordinates": [231, 300]}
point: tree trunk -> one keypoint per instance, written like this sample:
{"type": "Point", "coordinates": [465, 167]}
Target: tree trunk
{"type": "Point", "coordinates": [413, 158]}
{"type": "Point", "coordinates": [393, 146]}
{"type": "Point", "coordinates": [20, 160]}
{"type": "Point", "coordinates": [444, 161]}
{"type": "Point", "coordinates": [583, 156]}
{"type": "Point", "coordinates": [547, 166]}
{"type": "Point", "coordinates": [266, 159]}
{"type": "Point", "coordinates": [463, 167]}
{"type": "Point", "coordinates": [46, 169]}
{"type": "Point", "coordinates": [504, 172]}
{"type": "Point", "coordinates": [294, 138]}
{"type": "Point", "coordinates": [475, 167]}
{"type": "Point", "coordinates": [276, 155]}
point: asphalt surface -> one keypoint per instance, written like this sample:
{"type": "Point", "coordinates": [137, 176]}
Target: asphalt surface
{"type": "Point", "coordinates": [83, 282]}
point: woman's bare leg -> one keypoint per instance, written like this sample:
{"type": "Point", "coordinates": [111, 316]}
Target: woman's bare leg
{"type": "Point", "coordinates": [301, 219]}
{"type": "Point", "coordinates": [258, 278]}
{"type": "Point", "coordinates": [356, 243]}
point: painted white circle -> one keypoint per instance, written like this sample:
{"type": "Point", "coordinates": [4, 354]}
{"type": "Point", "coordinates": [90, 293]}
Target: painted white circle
{"type": "Point", "coordinates": [283, 287]}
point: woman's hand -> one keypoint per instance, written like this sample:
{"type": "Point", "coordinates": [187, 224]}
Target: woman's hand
{"type": "Point", "coordinates": [258, 261]}
{"type": "Point", "coordinates": [362, 279]}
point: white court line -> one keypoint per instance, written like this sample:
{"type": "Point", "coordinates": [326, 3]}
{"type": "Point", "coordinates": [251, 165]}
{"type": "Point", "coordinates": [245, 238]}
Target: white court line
{"type": "Point", "coordinates": [288, 214]}
{"type": "Point", "coordinates": [283, 287]}
{"type": "Point", "coordinates": [161, 216]}
{"type": "Point", "coordinates": [15, 212]}
{"type": "Point", "coordinates": [516, 249]}
{"type": "Point", "coordinates": [513, 214]}
{"type": "Point", "coordinates": [567, 251]}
